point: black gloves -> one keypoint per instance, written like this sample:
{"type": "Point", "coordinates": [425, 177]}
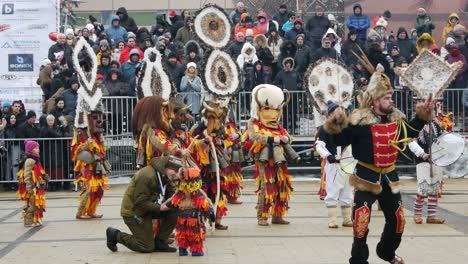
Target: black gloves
{"type": "Point", "coordinates": [331, 159]}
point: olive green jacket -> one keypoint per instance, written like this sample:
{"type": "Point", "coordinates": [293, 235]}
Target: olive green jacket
{"type": "Point", "coordinates": [143, 191]}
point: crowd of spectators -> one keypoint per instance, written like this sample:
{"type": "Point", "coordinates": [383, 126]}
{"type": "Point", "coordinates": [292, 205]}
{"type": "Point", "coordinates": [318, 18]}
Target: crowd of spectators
{"type": "Point", "coordinates": [269, 48]}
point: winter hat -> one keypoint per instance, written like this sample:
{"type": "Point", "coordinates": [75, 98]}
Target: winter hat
{"type": "Point", "coordinates": [29, 145]}
{"type": "Point", "coordinates": [58, 99]}
{"type": "Point", "coordinates": [172, 13]}
{"type": "Point", "coordinates": [134, 52]}
{"type": "Point", "coordinates": [283, 6]}
{"type": "Point", "coordinates": [30, 114]}
{"type": "Point", "coordinates": [104, 42]}
{"type": "Point", "coordinates": [69, 31]}
{"type": "Point", "coordinates": [115, 17]}
{"type": "Point", "coordinates": [45, 62]}
{"type": "Point", "coordinates": [249, 33]}
{"type": "Point", "coordinates": [331, 17]}
{"type": "Point", "coordinates": [191, 64]}
{"type": "Point", "coordinates": [131, 35]}
{"type": "Point", "coordinates": [172, 55]}
{"type": "Point", "coordinates": [298, 21]}
{"type": "Point", "coordinates": [300, 35]}
{"type": "Point", "coordinates": [449, 41]}
{"type": "Point", "coordinates": [248, 19]}
{"type": "Point", "coordinates": [92, 19]}
{"type": "Point", "coordinates": [331, 106]}
{"type": "Point", "coordinates": [89, 27]}
{"type": "Point", "coordinates": [6, 104]}
{"type": "Point", "coordinates": [395, 47]}
{"type": "Point", "coordinates": [422, 10]}
{"type": "Point", "coordinates": [73, 80]}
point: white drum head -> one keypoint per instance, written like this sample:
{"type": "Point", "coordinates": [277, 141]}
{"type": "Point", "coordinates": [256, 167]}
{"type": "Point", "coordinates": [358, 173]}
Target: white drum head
{"type": "Point", "coordinates": [447, 149]}
{"type": "Point", "coordinates": [347, 161]}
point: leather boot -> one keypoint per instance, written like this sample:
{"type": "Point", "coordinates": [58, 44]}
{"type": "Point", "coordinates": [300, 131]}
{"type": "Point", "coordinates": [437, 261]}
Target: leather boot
{"type": "Point", "coordinates": [277, 220]}
{"type": "Point", "coordinates": [278, 155]}
{"type": "Point", "coordinates": [332, 217]}
{"type": "Point", "coordinates": [346, 214]}
{"type": "Point", "coordinates": [162, 246]}
{"type": "Point", "coordinates": [434, 220]}
{"type": "Point", "coordinates": [111, 235]}
{"type": "Point", "coordinates": [264, 154]}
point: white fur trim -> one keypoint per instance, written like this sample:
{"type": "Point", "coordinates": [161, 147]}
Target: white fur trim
{"type": "Point", "coordinates": [199, 30]}
{"type": "Point", "coordinates": [220, 88]}
{"type": "Point", "coordinates": [157, 66]}
{"type": "Point", "coordinates": [272, 93]}
{"type": "Point", "coordinates": [82, 43]}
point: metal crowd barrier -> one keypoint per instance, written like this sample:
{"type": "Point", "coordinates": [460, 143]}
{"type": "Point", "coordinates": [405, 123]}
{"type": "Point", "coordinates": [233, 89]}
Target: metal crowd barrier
{"type": "Point", "coordinates": [297, 117]}
{"type": "Point", "coordinates": [55, 157]}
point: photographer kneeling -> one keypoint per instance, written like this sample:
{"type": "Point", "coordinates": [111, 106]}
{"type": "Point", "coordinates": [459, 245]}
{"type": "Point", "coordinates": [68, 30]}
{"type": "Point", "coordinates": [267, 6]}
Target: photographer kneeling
{"type": "Point", "coordinates": [144, 200]}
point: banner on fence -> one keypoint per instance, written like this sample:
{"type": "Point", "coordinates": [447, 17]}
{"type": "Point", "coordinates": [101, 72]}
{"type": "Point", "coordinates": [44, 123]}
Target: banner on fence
{"type": "Point", "coordinates": [24, 44]}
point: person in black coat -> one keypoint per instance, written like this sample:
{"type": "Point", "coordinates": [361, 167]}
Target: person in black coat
{"type": "Point", "coordinates": [326, 51]}
{"type": "Point", "coordinates": [176, 71]}
{"type": "Point", "coordinates": [316, 27]}
{"type": "Point", "coordinates": [29, 128]}
{"type": "Point", "coordinates": [350, 45]}
{"type": "Point", "coordinates": [407, 48]}
{"type": "Point", "coordinates": [282, 17]}
{"type": "Point", "coordinates": [376, 57]}
{"type": "Point", "coordinates": [125, 21]}
{"type": "Point", "coordinates": [236, 47]}
{"type": "Point", "coordinates": [104, 68]}
{"type": "Point", "coordinates": [287, 50]}
{"type": "Point", "coordinates": [303, 55]}
{"type": "Point", "coordinates": [264, 54]}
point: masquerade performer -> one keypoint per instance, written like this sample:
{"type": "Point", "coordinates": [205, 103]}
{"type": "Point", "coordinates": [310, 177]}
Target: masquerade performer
{"type": "Point", "coordinates": [153, 113]}
{"type": "Point", "coordinates": [422, 80]}
{"type": "Point", "coordinates": [270, 146]}
{"type": "Point", "coordinates": [87, 148]}
{"type": "Point", "coordinates": [31, 185]}
{"type": "Point", "coordinates": [220, 76]}
{"type": "Point", "coordinates": [337, 186]}
{"type": "Point", "coordinates": [235, 157]}
{"type": "Point", "coordinates": [377, 132]}
{"type": "Point", "coordinates": [192, 205]}
{"type": "Point", "coordinates": [331, 86]}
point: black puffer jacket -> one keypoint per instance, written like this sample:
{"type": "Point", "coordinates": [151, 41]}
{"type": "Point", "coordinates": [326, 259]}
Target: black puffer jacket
{"type": "Point", "coordinates": [303, 58]}
{"type": "Point", "coordinates": [317, 26]}
{"type": "Point", "coordinates": [347, 51]}
{"type": "Point", "coordinates": [117, 87]}
{"type": "Point", "coordinates": [127, 22]}
{"type": "Point", "coordinates": [324, 53]}
{"type": "Point", "coordinates": [288, 49]}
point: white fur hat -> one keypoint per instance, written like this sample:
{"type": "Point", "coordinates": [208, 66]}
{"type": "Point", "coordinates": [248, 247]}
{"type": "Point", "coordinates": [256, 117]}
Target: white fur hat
{"type": "Point", "coordinates": [191, 64]}
{"type": "Point", "coordinates": [265, 93]}
{"type": "Point", "coordinates": [89, 26]}
{"type": "Point", "coordinates": [69, 31]}
{"type": "Point", "coordinates": [449, 41]}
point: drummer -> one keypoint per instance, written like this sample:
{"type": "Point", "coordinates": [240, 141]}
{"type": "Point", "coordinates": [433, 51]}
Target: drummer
{"type": "Point", "coordinates": [338, 188]}
{"type": "Point", "coordinates": [429, 175]}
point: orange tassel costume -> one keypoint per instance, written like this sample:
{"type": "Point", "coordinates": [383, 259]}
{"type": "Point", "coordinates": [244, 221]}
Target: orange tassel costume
{"type": "Point", "coordinates": [31, 190]}
{"type": "Point", "coordinates": [192, 204]}
{"type": "Point", "coordinates": [233, 176]}
{"type": "Point", "coordinates": [94, 182]}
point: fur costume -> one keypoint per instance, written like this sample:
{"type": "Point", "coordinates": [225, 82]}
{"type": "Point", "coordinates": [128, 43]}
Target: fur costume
{"type": "Point", "coordinates": [272, 175]}
{"type": "Point", "coordinates": [87, 147]}
{"type": "Point", "coordinates": [192, 206]}
{"type": "Point", "coordinates": [31, 189]}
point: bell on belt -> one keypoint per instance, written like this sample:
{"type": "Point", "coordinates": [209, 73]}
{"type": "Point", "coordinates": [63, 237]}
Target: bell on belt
{"type": "Point", "coordinates": [264, 154]}
{"type": "Point", "coordinates": [235, 157]}
{"type": "Point", "coordinates": [222, 162]}
{"type": "Point", "coordinates": [99, 169]}
{"type": "Point", "coordinates": [290, 152]}
{"type": "Point", "coordinates": [212, 164]}
{"type": "Point", "coordinates": [278, 155]}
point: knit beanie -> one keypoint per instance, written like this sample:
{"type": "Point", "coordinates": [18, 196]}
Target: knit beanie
{"type": "Point", "coordinates": [331, 107]}
{"type": "Point", "coordinates": [29, 145]}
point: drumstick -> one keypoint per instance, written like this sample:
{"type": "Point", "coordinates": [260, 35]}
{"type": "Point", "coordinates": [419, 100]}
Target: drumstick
{"type": "Point", "coordinates": [345, 158]}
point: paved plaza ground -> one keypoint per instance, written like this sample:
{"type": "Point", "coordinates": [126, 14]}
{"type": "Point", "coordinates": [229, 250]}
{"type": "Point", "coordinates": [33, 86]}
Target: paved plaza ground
{"type": "Point", "coordinates": [63, 239]}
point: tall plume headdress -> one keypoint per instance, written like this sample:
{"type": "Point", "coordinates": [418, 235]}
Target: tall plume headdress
{"type": "Point", "coordinates": [152, 77]}
{"type": "Point", "coordinates": [89, 93]}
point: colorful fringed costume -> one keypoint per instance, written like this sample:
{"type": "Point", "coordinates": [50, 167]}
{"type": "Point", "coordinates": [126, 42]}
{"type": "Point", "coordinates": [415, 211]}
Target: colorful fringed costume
{"type": "Point", "coordinates": [233, 176]}
{"type": "Point", "coordinates": [269, 144]}
{"type": "Point", "coordinates": [192, 206]}
{"type": "Point", "coordinates": [273, 180]}
{"type": "Point", "coordinates": [92, 168]}
{"type": "Point", "coordinates": [203, 157]}
{"type": "Point", "coordinates": [31, 190]}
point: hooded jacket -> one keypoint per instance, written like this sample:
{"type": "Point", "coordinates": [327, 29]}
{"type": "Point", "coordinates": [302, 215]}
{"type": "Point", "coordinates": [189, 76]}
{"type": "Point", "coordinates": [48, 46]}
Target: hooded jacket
{"type": "Point", "coordinates": [459, 40]}
{"type": "Point", "coordinates": [245, 58]}
{"type": "Point", "coordinates": [347, 50]}
{"type": "Point", "coordinates": [407, 48]}
{"type": "Point", "coordinates": [359, 22]}
{"type": "Point", "coordinates": [449, 27]}
{"type": "Point", "coordinates": [117, 87]}
{"type": "Point", "coordinates": [262, 27]}
{"type": "Point", "coordinates": [125, 55]}
{"type": "Point", "coordinates": [185, 33]}
{"type": "Point", "coordinates": [127, 22]}
{"type": "Point", "coordinates": [288, 49]}
{"type": "Point", "coordinates": [116, 33]}
{"type": "Point", "coordinates": [289, 80]}
{"type": "Point", "coordinates": [427, 37]}
{"type": "Point", "coordinates": [456, 55]}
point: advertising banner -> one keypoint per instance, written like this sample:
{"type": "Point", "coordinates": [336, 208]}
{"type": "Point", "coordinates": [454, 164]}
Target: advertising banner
{"type": "Point", "coordinates": [24, 44]}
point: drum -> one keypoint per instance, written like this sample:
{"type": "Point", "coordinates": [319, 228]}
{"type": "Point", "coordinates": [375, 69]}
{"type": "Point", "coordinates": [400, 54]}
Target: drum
{"type": "Point", "coordinates": [347, 161]}
{"type": "Point", "coordinates": [459, 169]}
{"type": "Point", "coordinates": [447, 149]}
